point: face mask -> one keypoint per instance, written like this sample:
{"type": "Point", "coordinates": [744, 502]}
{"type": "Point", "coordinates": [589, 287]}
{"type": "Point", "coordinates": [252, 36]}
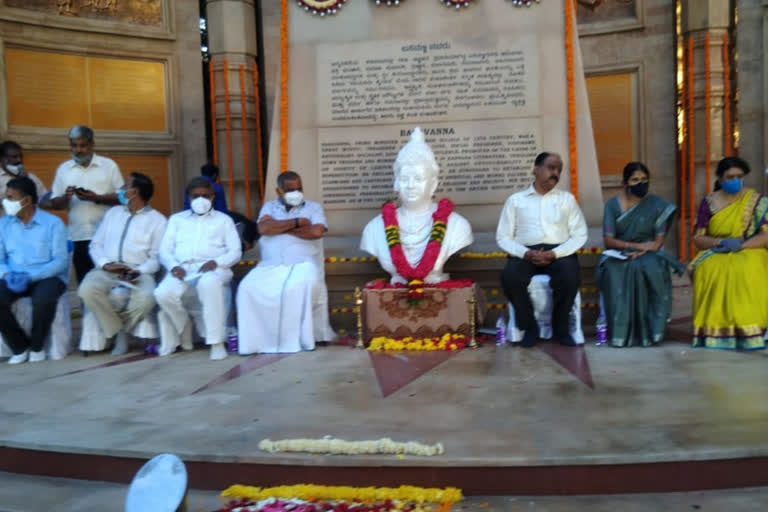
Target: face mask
{"type": "Point", "coordinates": [638, 189]}
{"type": "Point", "coordinates": [293, 198]}
{"type": "Point", "coordinates": [122, 197]}
{"type": "Point", "coordinates": [732, 186]}
{"type": "Point", "coordinates": [12, 207]}
{"type": "Point", "coordinates": [201, 205]}
{"type": "Point", "coordinates": [81, 160]}
{"type": "Point", "coordinates": [16, 170]}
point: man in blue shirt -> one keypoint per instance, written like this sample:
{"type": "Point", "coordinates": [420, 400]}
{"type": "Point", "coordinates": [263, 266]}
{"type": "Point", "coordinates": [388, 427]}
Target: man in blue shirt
{"type": "Point", "coordinates": [33, 263]}
{"type": "Point", "coordinates": [211, 173]}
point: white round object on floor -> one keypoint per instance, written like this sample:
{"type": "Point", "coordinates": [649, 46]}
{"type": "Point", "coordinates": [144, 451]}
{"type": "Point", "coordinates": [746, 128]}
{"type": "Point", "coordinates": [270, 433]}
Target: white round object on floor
{"type": "Point", "coordinates": [159, 486]}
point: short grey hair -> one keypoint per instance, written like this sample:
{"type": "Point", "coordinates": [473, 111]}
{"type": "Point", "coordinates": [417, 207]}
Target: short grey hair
{"type": "Point", "coordinates": [80, 132]}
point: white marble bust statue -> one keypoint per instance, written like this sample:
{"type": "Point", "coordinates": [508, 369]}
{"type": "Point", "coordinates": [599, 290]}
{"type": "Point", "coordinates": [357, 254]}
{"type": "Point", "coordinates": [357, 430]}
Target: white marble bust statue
{"type": "Point", "coordinates": [416, 179]}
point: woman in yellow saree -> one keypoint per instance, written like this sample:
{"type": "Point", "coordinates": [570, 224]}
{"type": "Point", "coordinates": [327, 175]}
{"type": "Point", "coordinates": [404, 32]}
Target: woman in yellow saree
{"type": "Point", "coordinates": [730, 271]}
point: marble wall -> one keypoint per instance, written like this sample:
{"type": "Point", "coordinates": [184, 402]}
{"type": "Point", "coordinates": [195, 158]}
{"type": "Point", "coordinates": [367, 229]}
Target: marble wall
{"type": "Point", "coordinates": [643, 44]}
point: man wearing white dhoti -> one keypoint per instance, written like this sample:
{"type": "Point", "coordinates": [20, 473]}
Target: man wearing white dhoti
{"type": "Point", "coordinates": [124, 250]}
{"type": "Point", "coordinates": [275, 300]}
{"type": "Point", "coordinates": [198, 249]}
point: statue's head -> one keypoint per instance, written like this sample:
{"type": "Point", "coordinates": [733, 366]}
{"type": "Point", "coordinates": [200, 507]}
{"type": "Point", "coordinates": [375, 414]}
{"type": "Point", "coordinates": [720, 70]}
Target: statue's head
{"type": "Point", "coordinates": [416, 172]}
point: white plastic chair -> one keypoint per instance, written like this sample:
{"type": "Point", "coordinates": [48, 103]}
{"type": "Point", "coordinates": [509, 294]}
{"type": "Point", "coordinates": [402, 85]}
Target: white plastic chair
{"type": "Point", "coordinates": [92, 337]}
{"type": "Point", "coordinates": [541, 298]}
{"type": "Point", "coordinates": [59, 343]}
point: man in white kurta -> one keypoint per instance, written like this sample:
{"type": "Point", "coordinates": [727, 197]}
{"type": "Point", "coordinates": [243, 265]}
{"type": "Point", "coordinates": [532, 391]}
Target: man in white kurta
{"type": "Point", "coordinates": [198, 249]}
{"type": "Point", "coordinates": [275, 301]}
{"type": "Point", "coordinates": [125, 251]}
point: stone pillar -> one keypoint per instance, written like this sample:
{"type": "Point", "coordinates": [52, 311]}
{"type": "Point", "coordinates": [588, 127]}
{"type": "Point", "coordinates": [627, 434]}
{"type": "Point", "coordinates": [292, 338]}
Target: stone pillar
{"type": "Point", "coordinates": [699, 19]}
{"type": "Point", "coordinates": [232, 38]}
{"type": "Point", "coordinates": [750, 31]}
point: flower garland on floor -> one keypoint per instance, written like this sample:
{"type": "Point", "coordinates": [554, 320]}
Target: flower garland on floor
{"type": "Point", "coordinates": [403, 496]}
{"type": "Point", "coordinates": [296, 505]}
{"type": "Point", "coordinates": [448, 341]}
{"type": "Point", "coordinates": [333, 446]}
{"type": "Point", "coordinates": [415, 276]}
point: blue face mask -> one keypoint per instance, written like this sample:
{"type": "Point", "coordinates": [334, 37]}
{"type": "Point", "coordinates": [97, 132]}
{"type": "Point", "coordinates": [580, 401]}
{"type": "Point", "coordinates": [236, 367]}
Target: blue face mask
{"type": "Point", "coordinates": [733, 186]}
{"type": "Point", "coordinates": [122, 197]}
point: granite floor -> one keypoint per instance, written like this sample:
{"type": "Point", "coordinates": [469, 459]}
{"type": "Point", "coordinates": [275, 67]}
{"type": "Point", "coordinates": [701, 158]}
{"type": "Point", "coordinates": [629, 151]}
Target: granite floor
{"type": "Point", "coordinates": [33, 494]}
{"type": "Point", "coordinates": [495, 406]}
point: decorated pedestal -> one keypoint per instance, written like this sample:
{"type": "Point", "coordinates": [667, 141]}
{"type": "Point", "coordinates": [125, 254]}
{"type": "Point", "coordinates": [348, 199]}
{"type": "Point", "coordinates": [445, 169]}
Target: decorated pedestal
{"type": "Point", "coordinates": [444, 309]}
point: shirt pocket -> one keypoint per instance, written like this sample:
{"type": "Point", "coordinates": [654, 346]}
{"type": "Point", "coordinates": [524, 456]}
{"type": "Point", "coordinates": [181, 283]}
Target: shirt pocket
{"type": "Point", "coordinates": [554, 214]}
{"type": "Point", "coordinates": [35, 252]}
{"type": "Point", "coordinates": [99, 182]}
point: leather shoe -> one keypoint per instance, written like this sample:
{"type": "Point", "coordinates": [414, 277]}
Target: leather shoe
{"type": "Point", "coordinates": [566, 340]}
{"type": "Point", "coordinates": [530, 338]}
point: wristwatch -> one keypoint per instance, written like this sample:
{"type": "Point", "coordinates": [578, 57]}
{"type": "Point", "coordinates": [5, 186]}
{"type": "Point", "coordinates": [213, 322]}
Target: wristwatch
{"type": "Point", "coordinates": [296, 221]}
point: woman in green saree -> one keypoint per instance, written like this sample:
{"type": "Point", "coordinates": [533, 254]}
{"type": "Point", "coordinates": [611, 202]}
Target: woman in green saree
{"type": "Point", "coordinates": [635, 278]}
{"type": "Point", "coordinates": [730, 271]}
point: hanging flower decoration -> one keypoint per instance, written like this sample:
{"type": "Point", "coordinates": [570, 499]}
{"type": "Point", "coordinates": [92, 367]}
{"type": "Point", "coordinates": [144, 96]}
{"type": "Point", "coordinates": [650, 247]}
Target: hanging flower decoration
{"type": "Point", "coordinates": [458, 4]}
{"type": "Point", "coordinates": [321, 7]}
{"type": "Point", "coordinates": [524, 3]}
{"type": "Point", "coordinates": [389, 3]}
{"type": "Point", "coordinates": [415, 276]}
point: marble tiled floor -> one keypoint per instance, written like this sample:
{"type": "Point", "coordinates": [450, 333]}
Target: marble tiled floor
{"type": "Point", "coordinates": [495, 406]}
{"type": "Point", "coordinates": [33, 494]}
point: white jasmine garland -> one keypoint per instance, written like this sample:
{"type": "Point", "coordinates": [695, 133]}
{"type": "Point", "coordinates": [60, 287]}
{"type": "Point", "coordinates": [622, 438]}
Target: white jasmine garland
{"type": "Point", "coordinates": [341, 447]}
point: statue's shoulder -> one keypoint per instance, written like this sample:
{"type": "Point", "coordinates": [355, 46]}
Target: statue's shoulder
{"type": "Point", "coordinates": [458, 222]}
{"type": "Point", "coordinates": [373, 234]}
{"type": "Point", "coordinates": [375, 223]}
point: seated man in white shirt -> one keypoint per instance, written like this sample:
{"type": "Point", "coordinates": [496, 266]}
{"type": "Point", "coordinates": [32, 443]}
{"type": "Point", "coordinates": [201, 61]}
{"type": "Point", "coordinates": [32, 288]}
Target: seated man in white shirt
{"type": "Point", "coordinates": [541, 228]}
{"type": "Point", "coordinates": [198, 249]}
{"type": "Point", "coordinates": [275, 300]}
{"type": "Point", "coordinates": [125, 251]}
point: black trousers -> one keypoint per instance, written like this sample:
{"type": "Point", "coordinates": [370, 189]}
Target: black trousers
{"type": "Point", "coordinates": [45, 294]}
{"type": "Point", "coordinates": [564, 280]}
{"type": "Point", "coordinates": [81, 259]}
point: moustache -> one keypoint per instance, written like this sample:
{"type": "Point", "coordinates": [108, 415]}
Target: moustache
{"type": "Point", "coordinates": [554, 178]}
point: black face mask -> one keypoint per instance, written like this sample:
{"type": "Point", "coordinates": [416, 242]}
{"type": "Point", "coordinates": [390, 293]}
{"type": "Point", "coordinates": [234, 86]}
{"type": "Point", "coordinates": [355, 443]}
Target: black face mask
{"type": "Point", "coordinates": [639, 189]}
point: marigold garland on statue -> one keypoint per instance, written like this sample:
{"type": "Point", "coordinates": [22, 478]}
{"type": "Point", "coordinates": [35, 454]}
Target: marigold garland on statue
{"type": "Point", "coordinates": [321, 7]}
{"type": "Point", "coordinates": [415, 276]}
{"type": "Point", "coordinates": [341, 447]}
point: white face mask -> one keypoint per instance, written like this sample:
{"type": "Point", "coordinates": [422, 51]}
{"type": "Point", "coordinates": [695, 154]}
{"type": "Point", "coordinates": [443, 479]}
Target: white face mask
{"type": "Point", "coordinates": [201, 205]}
{"type": "Point", "coordinates": [293, 198]}
{"type": "Point", "coordinates": [16, 170]}
{"type": "Point", "coordinates": [12, 207]}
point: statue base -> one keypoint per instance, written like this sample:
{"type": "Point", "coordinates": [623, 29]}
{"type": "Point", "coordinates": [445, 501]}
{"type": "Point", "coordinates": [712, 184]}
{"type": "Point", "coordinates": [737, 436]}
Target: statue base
{"type": "Point", "coordinates": [444, 309]}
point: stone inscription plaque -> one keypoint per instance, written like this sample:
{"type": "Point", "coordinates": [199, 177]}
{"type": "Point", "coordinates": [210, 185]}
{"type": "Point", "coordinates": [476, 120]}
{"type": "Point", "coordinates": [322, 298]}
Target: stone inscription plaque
{"type": "Point", "coordinates": [428, 81]}
{"type": "Point", "coordinates": [480, 161]}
